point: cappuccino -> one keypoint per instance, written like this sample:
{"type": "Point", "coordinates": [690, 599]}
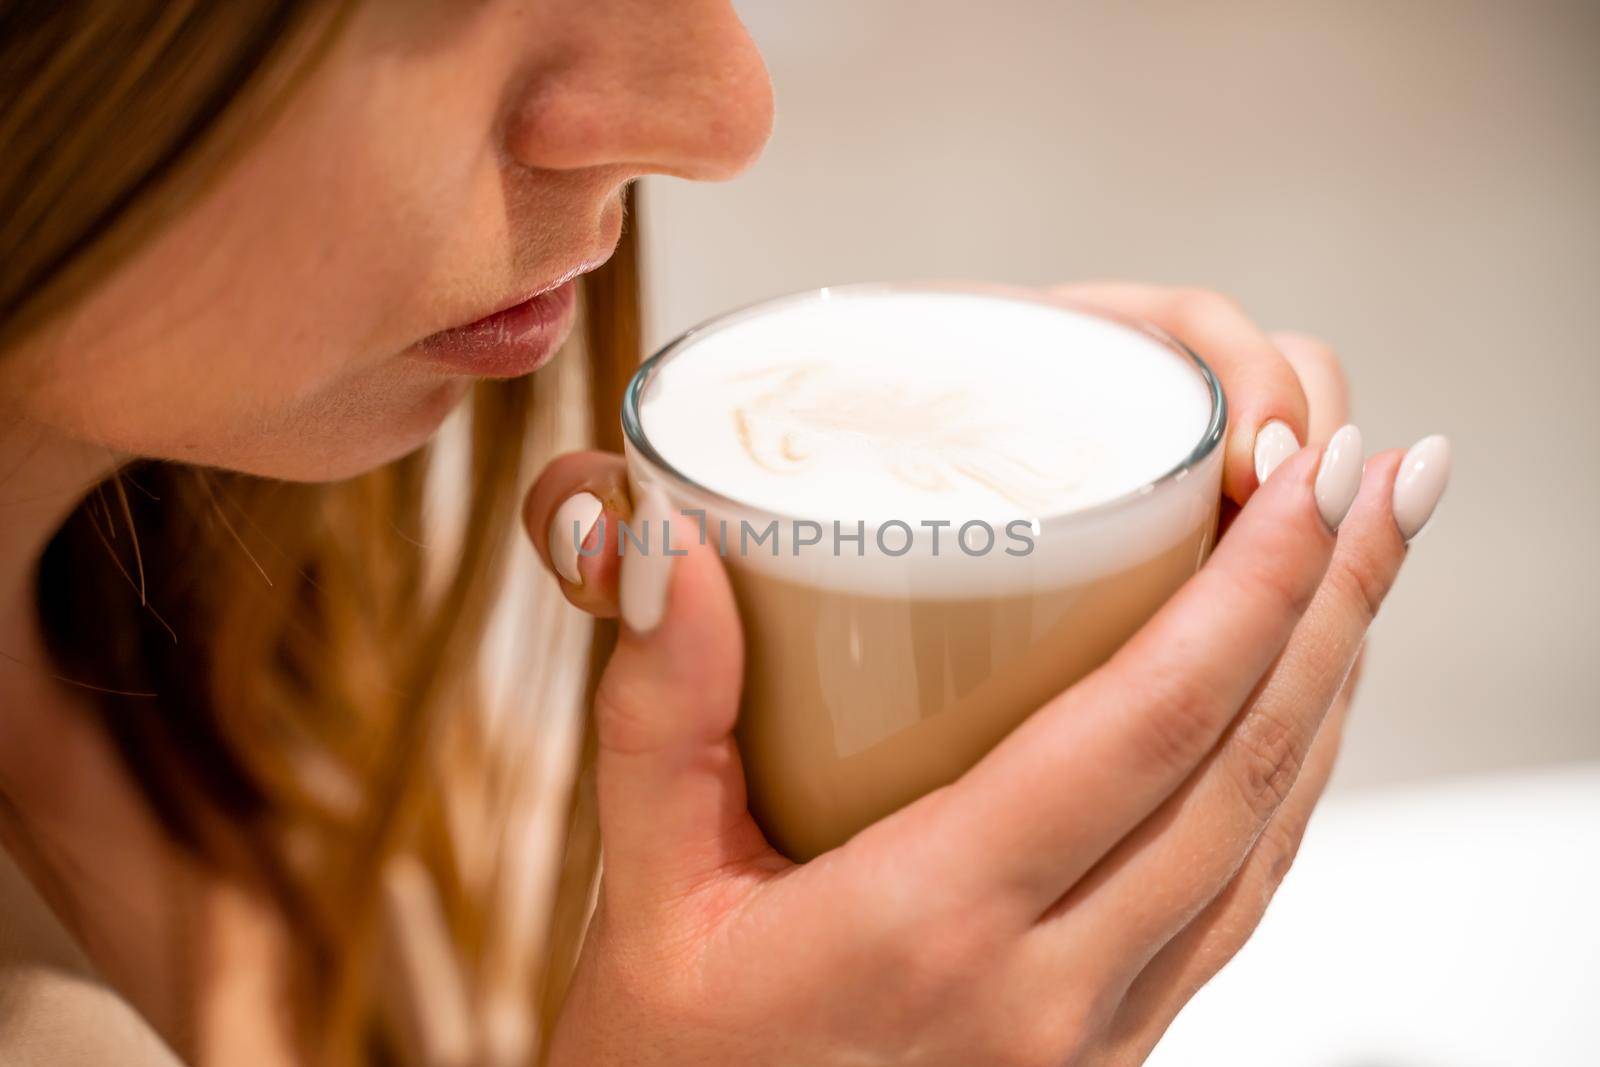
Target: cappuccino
{"type": "Point", "coordinates": [938, 508]}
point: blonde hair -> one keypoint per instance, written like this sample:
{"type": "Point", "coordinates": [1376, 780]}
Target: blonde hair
{"type": "Point", "coordinates": [293, 672]}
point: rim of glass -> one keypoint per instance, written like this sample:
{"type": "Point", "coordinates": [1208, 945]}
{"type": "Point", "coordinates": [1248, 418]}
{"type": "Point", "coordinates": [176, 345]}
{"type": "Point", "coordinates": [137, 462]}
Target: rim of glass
{"type": "Point", "coordinates": [633, 425]}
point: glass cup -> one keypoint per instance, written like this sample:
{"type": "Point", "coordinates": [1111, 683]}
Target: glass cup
{"type": "Point", "coordinates": [873, 676]}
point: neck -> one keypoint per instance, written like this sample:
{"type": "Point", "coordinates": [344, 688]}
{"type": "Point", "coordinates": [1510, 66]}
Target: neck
{"type": "Point", "coordinates": [72, 817]}
{"type": "Point", "coordinates": [43, 477]}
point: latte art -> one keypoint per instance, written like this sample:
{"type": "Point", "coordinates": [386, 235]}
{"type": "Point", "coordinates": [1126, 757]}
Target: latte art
{"type": "Point", "coordinates": [919, 405]}
{"type": "Point", "coordinates": [818, 415]}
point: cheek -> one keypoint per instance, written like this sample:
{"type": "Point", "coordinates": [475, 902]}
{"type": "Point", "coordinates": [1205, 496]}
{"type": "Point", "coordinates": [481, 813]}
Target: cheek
{"type": "Point", "coordinates": [263, 337]}
{"type": "Point", "coordinates": [265, 329]}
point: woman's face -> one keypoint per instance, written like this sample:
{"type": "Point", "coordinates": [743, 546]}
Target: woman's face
{"type": "Point", "coordinates": [321, 308]}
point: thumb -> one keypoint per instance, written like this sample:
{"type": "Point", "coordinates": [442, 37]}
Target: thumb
{"type": "Point", "coordinates": [670, 785]}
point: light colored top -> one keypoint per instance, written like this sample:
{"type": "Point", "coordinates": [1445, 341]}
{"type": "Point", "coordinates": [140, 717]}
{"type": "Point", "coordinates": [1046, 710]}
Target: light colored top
{"type": "Point", "coordinates": [54, 1010]}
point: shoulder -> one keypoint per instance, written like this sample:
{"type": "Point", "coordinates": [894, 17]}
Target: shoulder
{"type": "Point", "coordinates": [54, 1011]}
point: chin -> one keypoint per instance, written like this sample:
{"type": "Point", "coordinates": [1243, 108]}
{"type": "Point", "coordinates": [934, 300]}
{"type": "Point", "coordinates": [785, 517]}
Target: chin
{"type": "Point", "coordinates": [350, 440]}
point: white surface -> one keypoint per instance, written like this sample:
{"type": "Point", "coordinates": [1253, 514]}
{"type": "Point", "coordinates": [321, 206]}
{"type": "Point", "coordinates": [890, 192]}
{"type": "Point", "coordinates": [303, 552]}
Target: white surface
{"type": "Point", "coordinates": [924, 406]}
{"type": "Point", "coordinates": [1452, 925]}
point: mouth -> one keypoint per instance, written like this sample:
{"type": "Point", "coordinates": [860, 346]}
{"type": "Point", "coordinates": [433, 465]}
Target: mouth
{"type": "Point", "coordinates": [518, 338]}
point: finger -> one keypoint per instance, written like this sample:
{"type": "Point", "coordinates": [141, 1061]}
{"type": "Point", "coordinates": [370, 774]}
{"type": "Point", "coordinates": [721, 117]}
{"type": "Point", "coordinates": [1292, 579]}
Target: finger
{"type": "Point", "coordinates": [573, 514]}
{"type": "Point", "coordinates": [1195, 956]}
{"type": "Point", "coordinates": [1266, 406]}
{"type": "Point", "coordinates": [1073, 779]}
{"type": "Point", "coordinates": [1192, 847]}
{"type": "Point", "coordinates": [1323, 381]}
{"type": "Point", "coordinates": [670, 786]}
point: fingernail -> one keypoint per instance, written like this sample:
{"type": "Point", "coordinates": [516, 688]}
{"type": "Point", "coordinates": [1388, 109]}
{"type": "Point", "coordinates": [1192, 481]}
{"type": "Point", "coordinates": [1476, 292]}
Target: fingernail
{"type": "Point", "coordinates": [1339, 475]}
{"type": "Point", "coordinates": [1275, 442]}
{"type": "Point", "coordinates": [647, 573]}
{"type": "Point", "coordinates": [569, 530]}
{"type": "Point", "coordinates": [1420, 482]}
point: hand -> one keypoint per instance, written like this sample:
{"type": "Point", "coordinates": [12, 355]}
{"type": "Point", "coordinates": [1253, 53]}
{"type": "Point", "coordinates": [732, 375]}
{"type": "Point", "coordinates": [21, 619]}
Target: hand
{"type": "Point", "coordinates": [1058, 903]}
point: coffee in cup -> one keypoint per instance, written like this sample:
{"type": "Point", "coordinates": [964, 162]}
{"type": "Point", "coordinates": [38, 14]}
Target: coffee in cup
{"type": "Point", "coordinates": [938, 508]}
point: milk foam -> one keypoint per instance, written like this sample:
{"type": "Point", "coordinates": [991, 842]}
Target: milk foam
{"type": "Point", "coordinates": [880, 405]}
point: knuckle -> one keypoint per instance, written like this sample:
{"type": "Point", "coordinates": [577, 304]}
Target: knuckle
{"type": "Point", "coordinates": [1311, 349]}
{"type": "Point", "coordinates": [1266, 753]}
{"type": "Point", "coordinates": [1280, 846]}
{"type": "Point", "coordinates": [1278, 589]}
{"type": "Point", "coordinates": [931, 956]}
{"type": "Point", "coordinates": [1360, 578]}
{"type": "Point", "coordinates": [1054, 1040]}
{"type": "Point", "coordinates": [1178, 727]}
{"type": "Point", "coordinates": [621, 722]}
{"type": "Point", "coordinates": [1065, 1030]}
{"type": "Point", "coordinates": [1203, 305]}
{"type": "Point", "coordinates": [1269, 864]}
{"type": "Point", "coordinates": [572, 466]}
{"type": "Point", "coordinates": [936, 958]}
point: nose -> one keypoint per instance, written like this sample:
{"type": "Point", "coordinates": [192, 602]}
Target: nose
{"type": "Point", "coordinates": [656, 86]}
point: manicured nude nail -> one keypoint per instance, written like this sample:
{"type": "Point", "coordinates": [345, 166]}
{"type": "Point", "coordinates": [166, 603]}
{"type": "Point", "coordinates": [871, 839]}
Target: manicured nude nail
{"type": "Point", "coordinates": [1420, 482]}
{"type": "Point", "coordinates": [647, 557]}
{"type": "Point", "coordinates": [1339, 475]}
{"type": "Point", "coordinates": [569, 530]}
{"type": "Point", "coordinates": [1275, 442]}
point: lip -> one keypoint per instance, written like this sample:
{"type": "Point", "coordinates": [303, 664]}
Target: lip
{"type": "Point", "coordinates": [513, 341]}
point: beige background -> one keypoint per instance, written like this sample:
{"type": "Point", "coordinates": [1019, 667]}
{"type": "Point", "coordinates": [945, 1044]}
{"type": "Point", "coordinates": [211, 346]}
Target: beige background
{"type": "Point", "coordinates": [1418, 181]}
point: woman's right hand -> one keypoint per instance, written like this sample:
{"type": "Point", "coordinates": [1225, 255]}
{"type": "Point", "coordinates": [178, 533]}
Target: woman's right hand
{"type": "Point", "coordinates": [1058, 903]}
